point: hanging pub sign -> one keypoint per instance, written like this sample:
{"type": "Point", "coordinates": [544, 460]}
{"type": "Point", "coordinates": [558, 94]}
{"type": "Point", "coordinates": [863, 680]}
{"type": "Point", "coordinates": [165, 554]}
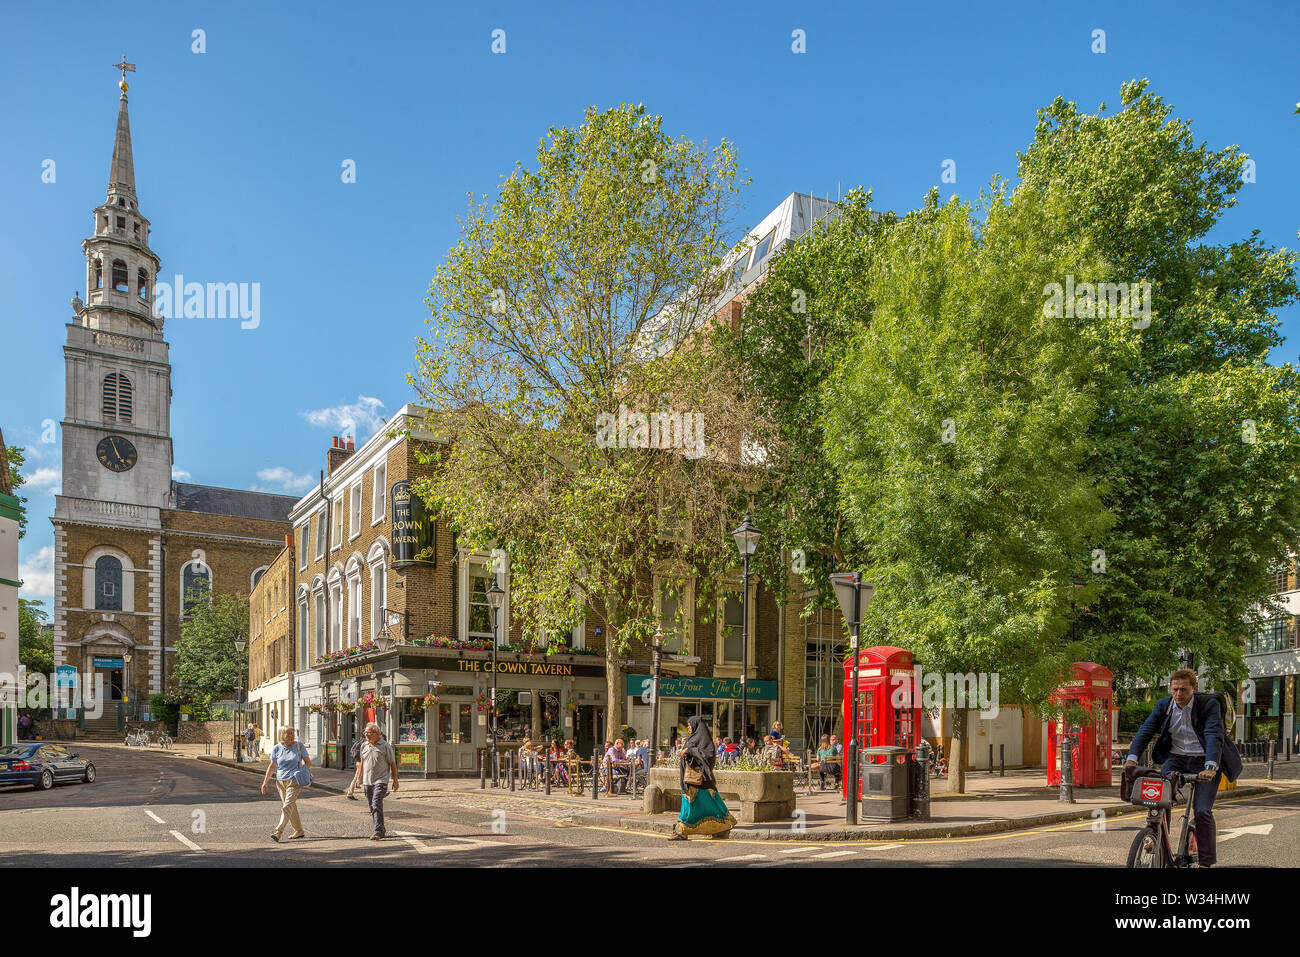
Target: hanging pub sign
{"type": "Point", "coordinates": [413, 529]}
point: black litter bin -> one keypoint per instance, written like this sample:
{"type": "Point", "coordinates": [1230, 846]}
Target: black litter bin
{"type": "Point", "coordinates": [884, 775]}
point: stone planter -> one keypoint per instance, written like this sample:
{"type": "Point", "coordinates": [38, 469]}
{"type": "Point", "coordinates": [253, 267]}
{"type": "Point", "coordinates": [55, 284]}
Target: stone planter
{"type": "Point", "coordinates": [763, 795]}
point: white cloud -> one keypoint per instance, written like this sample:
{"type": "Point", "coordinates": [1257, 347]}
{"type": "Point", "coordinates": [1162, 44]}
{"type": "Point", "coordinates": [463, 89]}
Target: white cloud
{"type": "Point", "coordinates": [37, 575]}
{"type": "Point", "coordinates": [362, 418]}
{"type": "Point", "coordinates": [180, 475]}
{"type": "Point", "coordinates": [48, 480]}
{"type": "Point", "coordinates": [281, 479]}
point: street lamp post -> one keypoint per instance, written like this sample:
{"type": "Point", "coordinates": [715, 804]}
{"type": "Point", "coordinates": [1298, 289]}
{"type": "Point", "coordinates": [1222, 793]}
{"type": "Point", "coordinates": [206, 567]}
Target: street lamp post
{"type": "Point", "coordinates": [126, 683]}
{"type": "Point", "coordinates": [239, 687]}
{"type": "Point", "coordinates": [746, 537]}
{"type": "Point", "coordinates": [849, 587]}
{"type": "Point", "coordinates": [656, 657]}
{"type": "Point", "coordinates": [496, 599]}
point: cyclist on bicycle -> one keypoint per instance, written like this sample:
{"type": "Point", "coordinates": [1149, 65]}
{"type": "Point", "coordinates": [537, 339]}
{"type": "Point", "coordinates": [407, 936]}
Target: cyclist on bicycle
{"type": "Point", "coordinates": [1190, 737]}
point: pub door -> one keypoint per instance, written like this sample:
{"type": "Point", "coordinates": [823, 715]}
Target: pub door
{"type": "Point", "coordinates": [453, 747]}
{"type": "Point", "coordinates": [347, 735]}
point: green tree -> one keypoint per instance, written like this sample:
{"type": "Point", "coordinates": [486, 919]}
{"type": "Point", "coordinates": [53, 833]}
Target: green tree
{"type": "Point", "coordinates": [16, 462]}
{"type": "Point", "coordinates": [1200, 439]}
{"type": "Point", "coordinates": [957, 421]}
{"type": "Point", "coordinates": [35, 642]}
{"type": "Point", "coordinates": [206, 661]}
{"type": "Point", "coordinates": [579, 292]}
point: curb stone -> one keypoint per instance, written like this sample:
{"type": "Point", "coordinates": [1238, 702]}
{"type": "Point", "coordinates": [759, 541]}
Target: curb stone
{"type": "Point", "coordinates": [889, 834]}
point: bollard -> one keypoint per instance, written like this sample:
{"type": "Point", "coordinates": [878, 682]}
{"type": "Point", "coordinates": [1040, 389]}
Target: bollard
{"type": "Point", "coordinates": [921, 792]}
{"type": "Point", "coordinates": [510, 765]}
{"type": "Point", "coordinates": [1067, 771]}
{"type": "Point", "coordinates": [548, 772]}
{"type": "Point", "coordinates": [1002, 760]}
{"type": "Point", "coordinates": [595, 775]}
{"type": "Point", "coordinates": [990, 759]}
{"type": "Point", "coordinates": [482, 775]}
{"type": "Point", "coordinates": [1272, 752]}
{"type": "Point", "coordinates": [218, 749]}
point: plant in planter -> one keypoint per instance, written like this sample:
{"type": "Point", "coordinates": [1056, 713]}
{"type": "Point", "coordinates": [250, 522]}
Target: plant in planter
{"type": "Point", "coordinates": [372, 700]}
{"type": "Point", "coordinates": [428, 701]}
{"type": "Point", "coordinates": [316, 708]}
{"type": "Point", "coordinates": [345, 707]}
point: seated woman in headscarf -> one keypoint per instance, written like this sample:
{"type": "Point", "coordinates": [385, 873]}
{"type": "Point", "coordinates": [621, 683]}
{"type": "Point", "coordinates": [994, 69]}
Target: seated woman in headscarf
{"type": "Point", "coordinates": [703, 812]}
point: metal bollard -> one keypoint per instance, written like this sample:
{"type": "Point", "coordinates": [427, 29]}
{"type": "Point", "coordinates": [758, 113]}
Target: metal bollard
{"type": "Point", "coordinates": [595, 775]}
{"type": "Point", "coordinates": [1002, 760]}
{"type": "Point", "coordinates": [548, 772]}
{"type": "Point", "coordinates": [1272, 753]}
{"type": "Point", "coordinates": [1067, 771]}
{"type": "Point", "coordinates": [510, 764]}
{"type": "Point", "coordinates": [482, 775]}
{"type": "Point", "coordinates": [990, 759]}
{"type": "Point", "coordinates": [921, 793]}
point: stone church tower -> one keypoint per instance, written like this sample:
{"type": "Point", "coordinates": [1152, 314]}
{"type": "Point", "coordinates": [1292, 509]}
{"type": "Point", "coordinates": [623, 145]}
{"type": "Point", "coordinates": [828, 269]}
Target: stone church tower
{"type": "Point", "coordinates": [130, 543]}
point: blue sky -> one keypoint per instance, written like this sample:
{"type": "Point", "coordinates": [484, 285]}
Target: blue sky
{"type": "Point", "coordinates": [238, 154]}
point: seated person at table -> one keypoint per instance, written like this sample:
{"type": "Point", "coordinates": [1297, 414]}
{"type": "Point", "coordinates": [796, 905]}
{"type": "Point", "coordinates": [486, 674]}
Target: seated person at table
{"type": "Point", "coordinates": [616, 758]}
{"type": "Point", "coordinates": [828, 762]}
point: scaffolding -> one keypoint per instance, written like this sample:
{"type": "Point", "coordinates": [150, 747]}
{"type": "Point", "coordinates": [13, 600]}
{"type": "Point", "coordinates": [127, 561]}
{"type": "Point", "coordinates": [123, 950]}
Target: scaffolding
{"type": "Point", "coordinates": [824, 649]}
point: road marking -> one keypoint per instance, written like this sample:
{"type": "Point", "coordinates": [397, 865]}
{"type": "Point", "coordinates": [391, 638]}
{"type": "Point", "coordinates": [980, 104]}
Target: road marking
{"type": "Point", "coordinates": [742, 857]}
{"type": "Point", "coordinates": [800, 850]}
{"type": "Point", "coordinates": [186, 841]}
{"type": "Point", "coordinates": [882, 847]}
{"type": "Point", "coordinates": [774, 863]}
{"type": "Point", "coordinates": [1264, 829]}
{"type": "Point", "coordinates": [154, 816]}
{"type": "Point", "coordinates": [827, 857]}
{"type": "Point", "coordinates": [466, 843]}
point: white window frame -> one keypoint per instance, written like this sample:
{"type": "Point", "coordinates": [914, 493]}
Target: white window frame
{"type": "Point", "coordinates": [212, 582]}
{"type": "Point", "coordinates": [503, 617]}
{"type": "Point", "coordinates": [322, 525]}
{"type": "Point", "coordinates": [320, 639]}
{"type": "Point", "coordinates": [337, 505]}
{"type": "Point", "coordinates": [354, 510]}
{"type": "Point", "coordinates": [685, 607]}
{"type": "Point", "coordinates": [304, 631]}
{"type": "Point", "coordinates": [304, 545]}
{"type": "Point", "coordinates": [335, 589]}
{"type": "Point", "coordinates": [378, 562]}
{"type": "Point", "coordinates": [731, 586]}
{"type": "Point", "coordinates": [379, 493]}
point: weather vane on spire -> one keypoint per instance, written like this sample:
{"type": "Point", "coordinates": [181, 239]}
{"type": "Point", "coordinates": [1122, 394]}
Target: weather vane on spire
{"type": "Point", "coordinates": [124, 66]}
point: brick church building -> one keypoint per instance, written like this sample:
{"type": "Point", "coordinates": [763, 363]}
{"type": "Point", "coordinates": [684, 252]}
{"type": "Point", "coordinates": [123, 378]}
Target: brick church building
{"type": "Point", "coordinates": [130, 542]}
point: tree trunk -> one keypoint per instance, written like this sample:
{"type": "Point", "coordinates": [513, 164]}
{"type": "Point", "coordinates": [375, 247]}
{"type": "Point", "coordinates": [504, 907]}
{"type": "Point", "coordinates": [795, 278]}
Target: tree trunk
{"type": "Point", "coordinates": [613, 675]}
{"type": "Point", "coordinates": [957, 753]}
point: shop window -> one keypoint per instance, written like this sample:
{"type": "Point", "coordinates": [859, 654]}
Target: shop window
{"type": "Point", "coordinates": [108, 583]}
{"type": "Point", "coordinates": [410, 722]}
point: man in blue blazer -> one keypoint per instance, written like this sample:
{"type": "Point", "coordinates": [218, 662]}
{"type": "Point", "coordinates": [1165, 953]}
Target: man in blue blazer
{"type": "Point", "coordinates": [1190, 737]}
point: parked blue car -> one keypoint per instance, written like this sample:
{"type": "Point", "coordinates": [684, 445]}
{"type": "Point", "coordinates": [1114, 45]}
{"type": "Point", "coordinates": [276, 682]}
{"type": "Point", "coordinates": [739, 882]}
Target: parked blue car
{"type": "Point", "coordinates": [42, 765]}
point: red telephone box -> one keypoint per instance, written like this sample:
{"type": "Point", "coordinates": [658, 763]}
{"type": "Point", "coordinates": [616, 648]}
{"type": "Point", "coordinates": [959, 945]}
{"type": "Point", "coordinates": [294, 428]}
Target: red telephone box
{"type": "Point", "coordinates": [889, 704]}
{"type": "Point", "coordinates": [1090, 753]}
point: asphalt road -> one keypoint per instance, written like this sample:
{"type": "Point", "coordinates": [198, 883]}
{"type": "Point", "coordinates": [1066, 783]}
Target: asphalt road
{"type": "Point", "coordinates": [150, 809]}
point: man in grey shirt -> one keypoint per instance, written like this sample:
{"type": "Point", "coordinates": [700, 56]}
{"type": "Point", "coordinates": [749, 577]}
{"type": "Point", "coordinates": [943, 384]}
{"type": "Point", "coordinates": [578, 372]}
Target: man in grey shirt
{"type": "Point", "coordinates": [376, 765]}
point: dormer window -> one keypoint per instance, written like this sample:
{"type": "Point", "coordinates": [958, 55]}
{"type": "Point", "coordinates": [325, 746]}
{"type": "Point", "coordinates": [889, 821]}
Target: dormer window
{"type": "Point", "coordinates": [763, 247]}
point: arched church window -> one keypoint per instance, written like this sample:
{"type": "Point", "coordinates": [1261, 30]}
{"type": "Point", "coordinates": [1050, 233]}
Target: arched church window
{"type": "Point", "coordinates": [196, 586]}
{"type": "Point", "coordinates": [142, 285]}
{"type": "Point", "coordinates": [99, 274]}
{"type": "Point", "coordinates": [120, 283]}
{"type": "Point", "coordinates": [108, 583]}
{"type": "Point", "coordinates": [117, 397]}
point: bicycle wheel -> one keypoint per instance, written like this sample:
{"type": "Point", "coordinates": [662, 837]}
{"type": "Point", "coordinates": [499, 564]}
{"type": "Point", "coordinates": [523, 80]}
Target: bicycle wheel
{"type": "Point", "coordinates": [1147, 850]}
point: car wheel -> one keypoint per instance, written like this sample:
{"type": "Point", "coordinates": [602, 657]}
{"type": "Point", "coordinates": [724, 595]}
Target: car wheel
{"type": "Point", "coordinates": [89, 776]}
{"type": "Point", "coordinates": [46, 781]}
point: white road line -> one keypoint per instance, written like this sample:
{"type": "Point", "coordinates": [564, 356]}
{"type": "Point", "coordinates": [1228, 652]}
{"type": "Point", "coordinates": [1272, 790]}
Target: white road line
{"type": "Point", "coordinates": [154, 816]}
{"type": "Point", "coordinates": [800, 850]}
{"type": "Point", "coordinates": [186, 841]}
{"type": "Point", "coordinates": [775, 863]}
{"type": "Point", "coordinates": [881, 847]}
{"type": "Point", "coordinates": [827, 857]}
{"type": "Point", "coordinates": [467, 843]}
{"type": "Point", "coordinates": [742, 857]}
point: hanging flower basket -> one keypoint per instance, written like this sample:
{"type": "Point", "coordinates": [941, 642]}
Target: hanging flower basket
{"type": "Point", "coordinates": [372, 700]}
{"type": "Point", "coordinates": [346, 707]}
{"type": "Point", "coordinates": [315, 709]}
{"type": "Point", "coordinates": [428, 701]}
{"type": "Point", "coordinates": [571, 706]}
{"type": "Point", "coordinates": [482, 704]}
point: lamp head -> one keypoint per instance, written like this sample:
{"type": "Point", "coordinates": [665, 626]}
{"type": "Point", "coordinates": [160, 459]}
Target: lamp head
{"type": "Point", "coordinates": [746, 537]}
{"type": "Point", "coordinates": [496, 596]}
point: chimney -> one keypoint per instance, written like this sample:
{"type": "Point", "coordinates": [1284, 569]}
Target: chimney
{"type": "Point", "coordinates": [338, 454]}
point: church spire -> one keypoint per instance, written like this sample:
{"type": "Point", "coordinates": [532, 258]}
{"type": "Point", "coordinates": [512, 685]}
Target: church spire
{"type": "Point", "coordinates": [122, 175]}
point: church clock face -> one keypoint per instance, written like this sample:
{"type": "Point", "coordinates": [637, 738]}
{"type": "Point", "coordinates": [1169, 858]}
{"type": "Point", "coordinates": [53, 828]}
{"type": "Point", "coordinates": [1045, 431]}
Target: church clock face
{"type": "Point", "coordinates": [116, 453]}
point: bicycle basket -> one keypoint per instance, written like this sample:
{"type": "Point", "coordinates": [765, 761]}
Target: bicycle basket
{"type": "Point", "coordinates": [1153, 792]}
